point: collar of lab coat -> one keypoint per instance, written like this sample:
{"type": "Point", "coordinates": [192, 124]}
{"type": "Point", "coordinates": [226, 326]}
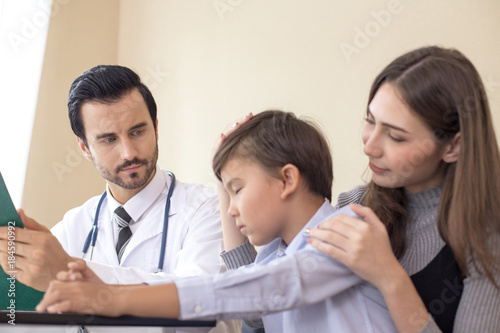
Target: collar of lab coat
{"type": "Point", "coordinates": [143, 200]}
{"type": "Point", "coordinates": [155, 191]}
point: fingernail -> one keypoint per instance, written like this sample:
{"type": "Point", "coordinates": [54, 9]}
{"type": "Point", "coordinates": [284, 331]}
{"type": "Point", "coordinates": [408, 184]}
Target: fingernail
{"type": "Point", "coordinates": [307, 231]}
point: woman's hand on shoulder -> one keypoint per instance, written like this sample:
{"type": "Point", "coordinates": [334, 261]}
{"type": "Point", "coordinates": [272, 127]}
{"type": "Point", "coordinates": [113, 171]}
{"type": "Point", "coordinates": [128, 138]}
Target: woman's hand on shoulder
{"type": "Point", "coordinates": [362, 246]}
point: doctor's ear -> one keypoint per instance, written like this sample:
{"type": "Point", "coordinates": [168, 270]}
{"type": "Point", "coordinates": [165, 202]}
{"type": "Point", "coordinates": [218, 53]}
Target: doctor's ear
{"type": "Point", "coordinates": [156, 128]}
{"type": "Point", "coordinates": [84, 149]}
{"type": "Point", "coordinates": [452, 151]}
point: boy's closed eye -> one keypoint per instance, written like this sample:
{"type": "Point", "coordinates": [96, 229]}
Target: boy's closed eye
{"type": "Point", "coordinates": [233, 186]}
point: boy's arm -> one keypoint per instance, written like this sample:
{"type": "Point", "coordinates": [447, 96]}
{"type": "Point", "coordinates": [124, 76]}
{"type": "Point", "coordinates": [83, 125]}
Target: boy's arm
{"type": "Point", "coordinates": [232, 235]}
{"type": "Point", "coordinates": [211, 296]}
{"type": "Point", "coordinates": [111, 300]}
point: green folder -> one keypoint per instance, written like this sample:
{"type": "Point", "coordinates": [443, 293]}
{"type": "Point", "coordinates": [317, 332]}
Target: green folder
{"type": "Point", "coordinates": [14, 296]}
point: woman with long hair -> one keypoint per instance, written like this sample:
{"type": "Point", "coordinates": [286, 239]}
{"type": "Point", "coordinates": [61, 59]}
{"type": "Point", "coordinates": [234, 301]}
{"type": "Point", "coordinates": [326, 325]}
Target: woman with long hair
{"type": "Point", "coordinates": [430, 240]}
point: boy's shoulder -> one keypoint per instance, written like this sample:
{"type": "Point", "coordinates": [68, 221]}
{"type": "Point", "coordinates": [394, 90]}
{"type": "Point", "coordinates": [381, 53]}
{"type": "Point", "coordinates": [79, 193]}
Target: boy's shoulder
{"type": "Point", "coordinates": [269, 252]}
{"type": "Point", "coordinates": [328, 211]}
{"type": "Point", "coordinates": [345, 210]}
{"type": "Point", "coordinates": [277, 248]}
{"type": "Point", "coordinates": [324, 213]}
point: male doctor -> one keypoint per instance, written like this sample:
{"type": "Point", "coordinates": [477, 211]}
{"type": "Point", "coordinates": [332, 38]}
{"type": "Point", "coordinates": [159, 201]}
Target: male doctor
{"type": "Point", "coordinates": [113, 115]}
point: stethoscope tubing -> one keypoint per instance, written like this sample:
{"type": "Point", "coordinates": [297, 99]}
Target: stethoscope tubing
{"type": "Point", "coordinates": [91, 239]}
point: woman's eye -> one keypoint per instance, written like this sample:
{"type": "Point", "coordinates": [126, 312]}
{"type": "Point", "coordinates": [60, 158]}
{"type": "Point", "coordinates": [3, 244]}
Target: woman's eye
{"type": "Point", "coordinates": [370, 121]}
{"type": "Point", "coordinates": [394, 138]}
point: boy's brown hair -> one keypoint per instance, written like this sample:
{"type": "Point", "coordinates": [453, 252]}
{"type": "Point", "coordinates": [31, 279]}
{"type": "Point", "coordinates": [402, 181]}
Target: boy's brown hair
{"type": "Point", "coordinates": [275, 138]}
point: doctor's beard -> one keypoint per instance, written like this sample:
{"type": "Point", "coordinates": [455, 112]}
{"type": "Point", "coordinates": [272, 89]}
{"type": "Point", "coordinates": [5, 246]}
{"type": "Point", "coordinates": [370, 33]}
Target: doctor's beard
{"type": "Point", "coordinates": [134, 181]}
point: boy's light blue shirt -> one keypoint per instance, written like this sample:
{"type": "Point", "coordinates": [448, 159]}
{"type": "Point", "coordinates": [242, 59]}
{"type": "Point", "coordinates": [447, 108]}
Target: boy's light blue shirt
{"type": "Point", "coordinates": [295, 288]}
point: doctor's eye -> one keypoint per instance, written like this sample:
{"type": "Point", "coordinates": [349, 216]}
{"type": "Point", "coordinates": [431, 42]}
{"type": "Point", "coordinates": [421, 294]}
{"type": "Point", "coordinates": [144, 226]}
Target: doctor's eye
{"type": "Point", "coordinates": [138, 132]}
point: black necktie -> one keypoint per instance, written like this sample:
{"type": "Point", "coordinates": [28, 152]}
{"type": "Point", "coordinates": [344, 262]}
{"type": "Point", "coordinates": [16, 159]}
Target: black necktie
{"type": "Point", "coordinates": [124, 234]}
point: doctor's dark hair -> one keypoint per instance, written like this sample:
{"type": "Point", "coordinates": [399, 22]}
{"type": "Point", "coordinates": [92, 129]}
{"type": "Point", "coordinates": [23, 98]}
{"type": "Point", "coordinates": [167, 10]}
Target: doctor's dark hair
{"type": "Point", "coordinates": [275, 138]}
{"type": "Point", "coordinates": [104, 84]}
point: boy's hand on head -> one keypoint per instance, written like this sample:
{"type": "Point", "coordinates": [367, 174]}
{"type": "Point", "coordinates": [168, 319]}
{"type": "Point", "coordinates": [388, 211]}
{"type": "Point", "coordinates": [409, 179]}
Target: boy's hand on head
{"type": "Point", "coordinates": [231, 234]}
{"type": "Point", "coordinates": [81, 297]}
{"type": "Point", "coordinates": [230, 128]}
{"type": "Point", "coordinates": [79, 271]}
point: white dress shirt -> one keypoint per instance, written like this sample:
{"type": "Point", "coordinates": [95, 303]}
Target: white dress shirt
{"type": "Point", "coordinates": [194, 237]}
{"type": "Point", "coordinates": [294, 288]}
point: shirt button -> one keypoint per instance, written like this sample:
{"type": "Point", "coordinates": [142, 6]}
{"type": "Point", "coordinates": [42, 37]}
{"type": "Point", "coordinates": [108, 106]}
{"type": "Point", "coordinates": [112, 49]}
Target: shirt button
{"type": "Point", "coordinates": [197, 308]}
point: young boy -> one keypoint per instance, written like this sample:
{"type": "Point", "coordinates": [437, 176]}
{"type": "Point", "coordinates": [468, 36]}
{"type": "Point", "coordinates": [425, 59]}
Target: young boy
{"type": "Point", "coordinates": [277, 170]}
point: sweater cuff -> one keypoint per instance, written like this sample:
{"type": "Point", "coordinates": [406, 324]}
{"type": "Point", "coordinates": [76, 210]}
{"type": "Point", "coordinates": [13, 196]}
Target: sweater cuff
{"type": "Point", "coordinates": [240, 256]}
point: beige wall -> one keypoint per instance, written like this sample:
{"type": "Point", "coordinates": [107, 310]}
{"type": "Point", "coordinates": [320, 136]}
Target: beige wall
{"type": "Point", "coordinates": [208, 66]}
{"type": "Point", "coordinates": [81, 34]}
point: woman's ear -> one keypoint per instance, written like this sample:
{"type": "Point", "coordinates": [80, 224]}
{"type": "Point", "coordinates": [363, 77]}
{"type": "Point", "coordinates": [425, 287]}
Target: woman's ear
{"type": "Point", "coordinates": [452, 150]}
{"type": "Point", "coordinates": [290, 175]}
{"type": "Point", "coordinates": [84, 149]}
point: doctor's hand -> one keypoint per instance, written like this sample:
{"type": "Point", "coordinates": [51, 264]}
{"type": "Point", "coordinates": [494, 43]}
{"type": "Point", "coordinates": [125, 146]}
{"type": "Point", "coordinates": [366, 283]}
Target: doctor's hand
{"type": "Point", "coordinates": [81, 297]}
{"type": "Point", "coordinates": [79, 271]}
{"type": "Point", "coordinates": [362, 246]}
{"type": "Point", "coordinates": [39, 255]}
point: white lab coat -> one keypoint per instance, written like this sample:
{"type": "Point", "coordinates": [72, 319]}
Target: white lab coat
{"type": "Point", "coordinates": [194, 237]}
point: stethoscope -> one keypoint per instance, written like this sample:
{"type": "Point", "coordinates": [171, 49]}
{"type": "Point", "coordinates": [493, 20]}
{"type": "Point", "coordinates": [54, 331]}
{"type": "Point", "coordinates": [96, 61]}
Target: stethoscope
{"type": "Point", "coordinates": [92, 236]}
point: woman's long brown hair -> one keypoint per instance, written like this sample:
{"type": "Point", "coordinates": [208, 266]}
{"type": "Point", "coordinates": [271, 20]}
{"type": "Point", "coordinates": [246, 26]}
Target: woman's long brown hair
{"type": "Point", "coordinates": [445, 90]}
